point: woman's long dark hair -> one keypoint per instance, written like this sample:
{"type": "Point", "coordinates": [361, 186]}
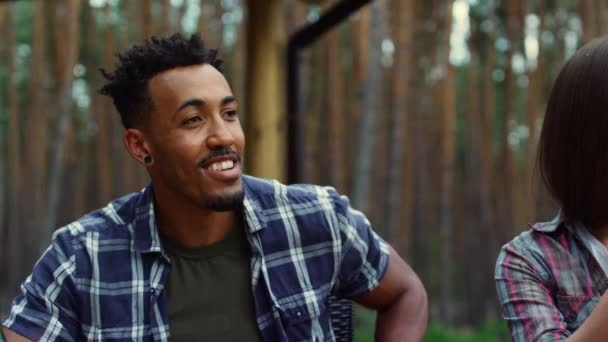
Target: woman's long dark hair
{"type": "Point", "coordinates": [573, 147]}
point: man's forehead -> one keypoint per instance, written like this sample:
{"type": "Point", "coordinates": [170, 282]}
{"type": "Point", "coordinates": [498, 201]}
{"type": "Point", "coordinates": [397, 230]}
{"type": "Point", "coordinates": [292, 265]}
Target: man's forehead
{"type": "Point", "coordinates": [199, 73]}
{"type": "Point", "coordinates": [188, 81]}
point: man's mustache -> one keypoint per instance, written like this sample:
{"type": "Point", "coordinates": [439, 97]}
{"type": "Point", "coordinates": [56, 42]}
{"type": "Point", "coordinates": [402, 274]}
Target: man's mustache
{"type": "Point", "coordinates": [219, 153]}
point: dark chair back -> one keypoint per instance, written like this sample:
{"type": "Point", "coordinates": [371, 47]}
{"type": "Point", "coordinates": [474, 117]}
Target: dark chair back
{"type": "Point", "coordinates": [341, 313]}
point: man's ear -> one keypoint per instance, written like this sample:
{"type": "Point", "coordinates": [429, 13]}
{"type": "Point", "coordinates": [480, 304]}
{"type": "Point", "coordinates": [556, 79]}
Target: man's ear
{"type": "Point", "coordinates": [138, 147]}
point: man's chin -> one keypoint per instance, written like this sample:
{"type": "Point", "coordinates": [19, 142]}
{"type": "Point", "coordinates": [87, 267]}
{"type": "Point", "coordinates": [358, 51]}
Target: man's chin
{"type": "Point", "coordinates": [224, 202]}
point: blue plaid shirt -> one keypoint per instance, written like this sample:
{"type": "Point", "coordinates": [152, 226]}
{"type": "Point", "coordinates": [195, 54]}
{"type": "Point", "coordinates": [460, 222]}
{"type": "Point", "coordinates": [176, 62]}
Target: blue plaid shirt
{"type": "Point", "coordinates": [103, 276]}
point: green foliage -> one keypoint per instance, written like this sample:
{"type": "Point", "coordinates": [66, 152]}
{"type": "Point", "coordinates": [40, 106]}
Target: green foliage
{"type": "Point", "coordinates": [492, 330]}
{"type": "Point", "coordinates": [364, 323]}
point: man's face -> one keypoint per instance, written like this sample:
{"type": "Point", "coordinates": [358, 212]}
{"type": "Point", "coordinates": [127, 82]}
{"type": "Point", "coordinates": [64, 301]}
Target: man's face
{"type": "Point", "coordinates": [195, 136]}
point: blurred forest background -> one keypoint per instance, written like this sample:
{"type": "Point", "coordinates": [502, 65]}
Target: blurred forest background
{"type": "Point", "coordinates": [426, 113]}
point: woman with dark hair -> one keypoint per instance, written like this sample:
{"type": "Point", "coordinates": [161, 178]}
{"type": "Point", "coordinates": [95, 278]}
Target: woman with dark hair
{"type": "Point", "coordinates": [551, 280]}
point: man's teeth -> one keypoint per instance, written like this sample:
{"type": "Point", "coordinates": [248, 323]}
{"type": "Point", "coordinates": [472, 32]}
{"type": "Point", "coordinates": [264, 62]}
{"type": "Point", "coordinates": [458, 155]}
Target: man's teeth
{"type": "Point", "coordinates": [224, 165]}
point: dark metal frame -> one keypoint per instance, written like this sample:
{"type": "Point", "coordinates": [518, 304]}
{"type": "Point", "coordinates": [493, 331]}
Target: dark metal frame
{"type": "Point", "coordinates": [297, 42]}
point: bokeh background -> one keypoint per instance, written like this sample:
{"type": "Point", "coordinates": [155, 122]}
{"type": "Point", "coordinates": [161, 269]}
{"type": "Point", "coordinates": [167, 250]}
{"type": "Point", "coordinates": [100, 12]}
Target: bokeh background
{"type": "Point", "coordinates": [425, 112]}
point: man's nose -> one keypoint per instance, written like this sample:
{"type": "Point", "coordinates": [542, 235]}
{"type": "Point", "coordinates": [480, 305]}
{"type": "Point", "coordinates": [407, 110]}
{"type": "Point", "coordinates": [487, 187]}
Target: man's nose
{"type": "Point", "coordinates": [220, 134]}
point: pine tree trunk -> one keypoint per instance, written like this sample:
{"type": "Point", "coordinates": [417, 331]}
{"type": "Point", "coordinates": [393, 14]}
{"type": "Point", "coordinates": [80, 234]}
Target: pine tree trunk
{"type": "Point", "coordinates": [588, 17]}
{"type": "Point", "coordinates": [166, 28]}
{"type": "Point", "coordinates": [203, 21]}
{"type": "Point", "coordinates": [132, 177]}
{"type": "Point", "coordinates": [400, 176]}
{"type": "Point", "coordinates": [335, 111]}
{"type": "Point", "coordinates": [370, 102]}
{"type": "Point", "coordinates": [102, 119]}
{"type": "Point", "coordinates": [146, 19]}
{"type": "Point", "coordinates": [66, 34]}
{"type": "Point", "coordinates": [534, 114]}
{"type": "Point", "coordinates": [473, 229]}
{"type": "Point", "coordinates": [360, 43]}
{"type": "Point", "coordinates": [447, 170]}
{"type": "Point", "coordinates": [600, 10]}
{"type": "Point", "coordinates": [3, 172]}
{"type": "Point", "coordinates": [16, 269]}
{"type": "Point", "coordinates": [2, 14]}
{"type": "Point", "coordinates": [37, 123]}
{"type": "Point", "coordinates": [508, 171]}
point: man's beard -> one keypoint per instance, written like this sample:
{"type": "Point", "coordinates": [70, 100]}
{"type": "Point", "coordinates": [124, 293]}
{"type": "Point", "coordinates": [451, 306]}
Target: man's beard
{"type": "Point", "coordinates": [224, 202]}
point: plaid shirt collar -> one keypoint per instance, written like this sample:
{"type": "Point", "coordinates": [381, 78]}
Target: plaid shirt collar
{"type": "Point", "coordinates": [550, 226]}
{"type": "Point", "coordinates": [147, 239]}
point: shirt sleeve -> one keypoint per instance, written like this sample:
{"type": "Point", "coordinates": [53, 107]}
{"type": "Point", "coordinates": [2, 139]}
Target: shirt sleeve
{"type": "Point", "coordinates": [364, 254]}
{"type": "Point", "coordinates": [44, 310]}
{"type": "Point", "coordinates": [527, 303]}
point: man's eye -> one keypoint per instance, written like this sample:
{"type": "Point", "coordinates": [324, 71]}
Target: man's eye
{"type": "Point", "coordinates": [231, 113]}
{"type": "Point", "coordinates": [191, 120]}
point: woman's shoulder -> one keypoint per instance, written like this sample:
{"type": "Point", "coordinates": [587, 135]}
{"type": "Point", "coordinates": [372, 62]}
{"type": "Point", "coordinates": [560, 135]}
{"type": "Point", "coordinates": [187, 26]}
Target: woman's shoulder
{"type": "Point", "coordinates": [541, 237]}
{"type": "Point", "coordinates": [542, 249]}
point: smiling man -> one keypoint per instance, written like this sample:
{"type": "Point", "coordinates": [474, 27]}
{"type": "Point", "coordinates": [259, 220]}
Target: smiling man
{"type": "Point", "coordinates": [205, 252]}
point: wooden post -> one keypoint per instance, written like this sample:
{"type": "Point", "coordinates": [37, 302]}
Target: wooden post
{"type": "Point", "coordinates": [264, 89]}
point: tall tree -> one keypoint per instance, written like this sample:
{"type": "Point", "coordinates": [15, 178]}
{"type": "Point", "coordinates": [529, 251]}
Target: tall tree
{"type": "Point", "coordinates": [91, 60]}
{"type": "Point", "coordinates": [167, 11]}
{"type": "Point", "coordinates": [37, 118]}
{"type": "Point", "coordinates": [534, 113]}
{"type": "Point", "coordinates": [360, 47]}
{"type": "Point", "coordinates": [147, 20]}
{"type": "Point", "coordinates": [422, 88]}
{"type": "Point", "coordinates": [3, 163]}
{"type": "Point", "coordinates": [473, 229]}
{"type": "Point", "coordinates": [380, 160]}
{"type": "Point", "coordinates": [237, 60]}
{"type": "Point", "coordinates": [103, 117]}
{"type": "Point", "coordinates": [447, 165]}
{"type": "Point", "coordinates": [203, 20]}
{"type": "Point", "coordinates": [14, 153]}
{"type": "Point", "coordinates": [600, 10]}
{"type": "Point", "coordinates": [133, 176]}
{"type": "Point", "coordinates": [400, 178]}
{"type": "Point", "coordinates": [67, 39]}
{"type": "Point", "coordinates": [334, 111]}
{"type": "Point", "coordinates": [587, 10]}
{"type": "Point", "coordinates": [487, 186]}
{"type": "Point", "coordinates": [2, 12]}
{"type": "Point", "coordinates": [508, 166]}
{"type": "Point", "coordinates": [370, 104]}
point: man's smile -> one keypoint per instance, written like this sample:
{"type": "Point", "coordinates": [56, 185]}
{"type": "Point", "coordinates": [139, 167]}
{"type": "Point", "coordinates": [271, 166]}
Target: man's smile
{"type": "Point", "coordinates": [223, 168]}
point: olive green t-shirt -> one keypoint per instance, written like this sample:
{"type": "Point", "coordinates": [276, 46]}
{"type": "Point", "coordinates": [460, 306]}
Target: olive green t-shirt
{"type": "Point", "coordinates": [209, 291]}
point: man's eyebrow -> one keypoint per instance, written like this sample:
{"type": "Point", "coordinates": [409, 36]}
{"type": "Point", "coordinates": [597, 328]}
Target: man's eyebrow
{"type": "Point", "coordinates": [188, 103]}
{"type": "Point", "coordinates": [228, 99]}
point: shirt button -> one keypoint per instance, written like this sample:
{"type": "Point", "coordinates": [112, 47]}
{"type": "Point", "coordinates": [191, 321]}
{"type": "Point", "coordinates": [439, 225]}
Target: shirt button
{"type": "Point", "coordinates": [298, 314]}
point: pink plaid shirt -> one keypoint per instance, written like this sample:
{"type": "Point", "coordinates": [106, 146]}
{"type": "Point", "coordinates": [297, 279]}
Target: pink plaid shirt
{"type": "Point", "coordinates": [549, 280]}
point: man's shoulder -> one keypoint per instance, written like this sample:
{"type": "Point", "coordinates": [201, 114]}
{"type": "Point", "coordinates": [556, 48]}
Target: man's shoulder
{"type": "Point", "coordinates": [315, 208]}
{"type": "Point", "coordinates": [104, 222]}
{"type": "Point", "coordinates": [271, 188]}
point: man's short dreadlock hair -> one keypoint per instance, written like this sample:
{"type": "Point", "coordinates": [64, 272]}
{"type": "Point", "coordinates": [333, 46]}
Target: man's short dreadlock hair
{"type": "Point", "coordinates": [128, 83]}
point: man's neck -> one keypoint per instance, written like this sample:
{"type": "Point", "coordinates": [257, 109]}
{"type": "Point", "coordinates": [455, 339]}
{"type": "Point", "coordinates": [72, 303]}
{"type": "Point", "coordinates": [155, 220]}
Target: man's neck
{"type": "Point", "coordinates": [190, 225]}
